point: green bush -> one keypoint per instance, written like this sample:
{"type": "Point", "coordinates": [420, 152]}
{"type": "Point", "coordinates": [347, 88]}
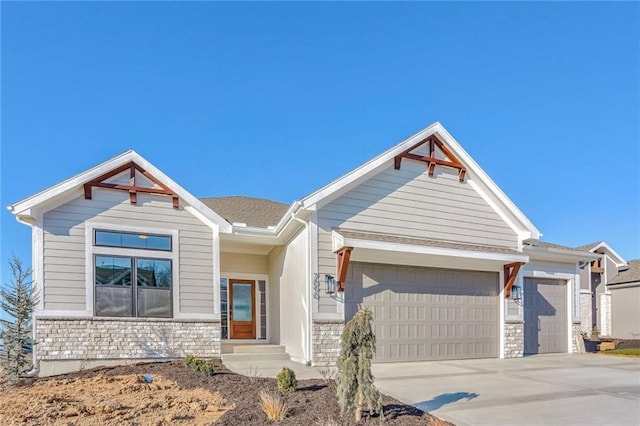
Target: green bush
{"type": "Point", "coordinates": [287, 381]}
{"type": "Point", "coordinates": [203, 366]}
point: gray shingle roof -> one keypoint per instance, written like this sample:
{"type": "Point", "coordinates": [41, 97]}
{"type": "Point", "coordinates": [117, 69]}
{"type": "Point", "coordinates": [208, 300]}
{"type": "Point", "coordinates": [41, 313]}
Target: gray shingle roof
{"type": "Point", "coordinates": [630, 275]}
{"type": "Point", "coordinates": [257, 212]}
{"type": "Point", "coordinates": [537, 243]}
{"type": "Point", "coordinates": [375, 236]}
{"type": "Point", "coordinates": [588, 247]}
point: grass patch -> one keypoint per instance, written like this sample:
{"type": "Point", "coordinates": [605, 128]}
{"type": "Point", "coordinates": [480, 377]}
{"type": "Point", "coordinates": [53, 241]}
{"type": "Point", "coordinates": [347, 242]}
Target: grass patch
{"type": "Point", "coordinates": [630, 352]}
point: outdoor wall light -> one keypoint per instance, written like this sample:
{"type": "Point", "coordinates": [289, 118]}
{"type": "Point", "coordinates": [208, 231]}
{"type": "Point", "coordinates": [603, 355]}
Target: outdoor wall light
{"type": "Point", "coordinates": [330, 284]}
{"type": "Point", "coordinates": [516, 293]}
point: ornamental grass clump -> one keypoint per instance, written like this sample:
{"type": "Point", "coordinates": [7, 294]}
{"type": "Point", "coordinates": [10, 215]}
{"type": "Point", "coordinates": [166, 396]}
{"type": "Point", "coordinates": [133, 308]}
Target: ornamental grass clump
{"type": "Point", "coordinates": [356, 390]}
{"type": "Point", "coordinates": [287, 381]}
{"type": "Point", "coordinates": [273, 406]}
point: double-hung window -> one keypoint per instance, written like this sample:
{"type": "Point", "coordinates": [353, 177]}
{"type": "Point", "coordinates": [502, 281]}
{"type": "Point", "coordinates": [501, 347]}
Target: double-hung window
{"type": "Point", "coordinates": [133, 286]}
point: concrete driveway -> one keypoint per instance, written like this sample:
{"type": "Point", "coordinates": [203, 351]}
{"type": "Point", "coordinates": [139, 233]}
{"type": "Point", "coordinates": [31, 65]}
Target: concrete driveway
{"type": "Point", "coordinates": [538, 390]}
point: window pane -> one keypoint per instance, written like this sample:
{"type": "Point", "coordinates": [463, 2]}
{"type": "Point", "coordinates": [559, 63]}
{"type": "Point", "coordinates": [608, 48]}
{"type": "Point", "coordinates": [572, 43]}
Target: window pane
{"type": "Point", "coordinates": [223, 308]}
{"type": "Point", "coordinates": [154, 273]}
{"type": "Point", "coordinates": [262, 289]}
{"type": "Point", "coordinates": [113, 301]}
{"type": "Point", "coordinates": [133, 240]}
{"type": "Point", "coordinates": [158, 242]}
{"type": "Point", "coordinates": [104, 238]}
{"type": "Point", "coordinates": [113, 271]}
{"type": "Point", "coordinates": [242, 302]}
{"type": "Point", "coordinates": [154, 302]}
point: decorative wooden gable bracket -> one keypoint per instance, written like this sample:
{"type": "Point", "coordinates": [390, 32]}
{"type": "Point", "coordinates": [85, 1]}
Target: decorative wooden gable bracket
{"type": "Point", "coordinates": [510, 273]}
{"type": "Point", "coordinates": [343, 265]}
{"type": "Point", "coordinates": [132, 187]}
{"type": "Point", "coordinates": [431, 160]}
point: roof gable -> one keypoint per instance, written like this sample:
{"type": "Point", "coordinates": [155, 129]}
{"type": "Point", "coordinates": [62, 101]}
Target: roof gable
{"type": "Point", "coordinates": [48, 197]}
{"type": "Point", "coordinates": [603, 248]}
{"type": "Point", "coordinates": [477, 178]}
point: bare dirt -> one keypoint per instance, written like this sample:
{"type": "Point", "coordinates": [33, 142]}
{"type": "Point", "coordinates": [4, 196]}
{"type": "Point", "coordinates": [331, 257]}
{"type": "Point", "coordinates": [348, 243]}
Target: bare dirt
{"type": "Point", "coordinates": [177, 395]}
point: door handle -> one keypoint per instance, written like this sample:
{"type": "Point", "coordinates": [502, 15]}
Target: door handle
{"type": "Point", "coordinates": [539, 328]}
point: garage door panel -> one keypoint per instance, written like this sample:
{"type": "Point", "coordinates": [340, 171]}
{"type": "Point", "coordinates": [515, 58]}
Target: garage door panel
{"type": "Point", "coordinates": [427, 313]}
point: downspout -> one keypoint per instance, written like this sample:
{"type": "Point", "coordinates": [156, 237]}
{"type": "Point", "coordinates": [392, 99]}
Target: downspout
{"type": "Point", "coordinates": [309, 287]}
{"type": "Point", "coordinates": [34, 347]}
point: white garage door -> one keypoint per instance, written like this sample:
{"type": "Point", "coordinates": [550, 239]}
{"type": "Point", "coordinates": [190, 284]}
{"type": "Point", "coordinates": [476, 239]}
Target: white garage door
{"type": "Point", "coordinates": [427, 313]}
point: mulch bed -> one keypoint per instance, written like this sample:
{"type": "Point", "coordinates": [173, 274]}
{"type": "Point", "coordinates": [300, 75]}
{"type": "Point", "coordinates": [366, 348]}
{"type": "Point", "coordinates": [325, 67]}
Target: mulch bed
{"type": "Point", "coordinates": [314, 403]}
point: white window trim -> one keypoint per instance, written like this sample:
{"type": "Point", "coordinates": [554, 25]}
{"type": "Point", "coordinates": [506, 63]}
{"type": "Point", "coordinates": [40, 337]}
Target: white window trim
{"type": "Point", "coordinates": [253, 277]}
{"type": "Point", "coordinates": [91, 250]}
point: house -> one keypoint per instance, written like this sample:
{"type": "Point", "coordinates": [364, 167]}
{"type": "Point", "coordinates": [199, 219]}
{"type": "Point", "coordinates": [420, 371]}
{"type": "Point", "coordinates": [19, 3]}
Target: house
{"type": "Point", "coordinates": [610, 293]}
{"type": "Point", "coordinates": [131, 266]}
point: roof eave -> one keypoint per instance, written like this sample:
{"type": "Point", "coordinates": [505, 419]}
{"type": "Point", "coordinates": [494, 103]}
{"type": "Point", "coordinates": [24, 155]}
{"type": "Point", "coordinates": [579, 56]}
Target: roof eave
{"type": "Point", "coordinates": [550, 253]}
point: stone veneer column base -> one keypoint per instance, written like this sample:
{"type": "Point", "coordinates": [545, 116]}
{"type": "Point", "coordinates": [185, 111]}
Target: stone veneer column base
{"type": "Point", "coordinates": [326, 342]}
{"type": "Point", "coordinates": [514, 339]}
{"type": "Point", "coordinates": [586, 299]}
{"type": "Point", "coordinates": [109, 341]}
{"type": "Point", "coordinates": [576, 334]}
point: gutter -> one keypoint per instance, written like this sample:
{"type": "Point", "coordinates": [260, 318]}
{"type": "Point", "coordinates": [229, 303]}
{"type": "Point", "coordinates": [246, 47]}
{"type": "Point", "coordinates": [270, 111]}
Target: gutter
{"type": "Point", "coordinates": [309, 333]}
{"type": "Point", "coordinates": [561, 254]}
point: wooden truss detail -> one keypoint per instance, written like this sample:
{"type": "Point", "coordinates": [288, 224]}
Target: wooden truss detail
{"type": "Point", "coordinates": [132, 188]}
{"type": "Point", "coordinates": [344, 254]}
{"type": "Point", "coordinates": [510, 273]}
{"type": "Point", "coordinates": [431, 159]}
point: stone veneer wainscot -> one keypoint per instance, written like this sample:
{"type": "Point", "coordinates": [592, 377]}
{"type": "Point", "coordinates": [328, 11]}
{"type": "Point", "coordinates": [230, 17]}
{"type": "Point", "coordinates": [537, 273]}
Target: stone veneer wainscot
{"type": "Point", "coordinates": [326, 342]}
{"type": "Point", "coordinates": [118, 338]}
{"type": "Point", "coordinates": [514, 339]}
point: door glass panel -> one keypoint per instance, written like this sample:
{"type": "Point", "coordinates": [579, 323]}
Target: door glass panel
{"type": "Point", "coordinates": [242, 302]}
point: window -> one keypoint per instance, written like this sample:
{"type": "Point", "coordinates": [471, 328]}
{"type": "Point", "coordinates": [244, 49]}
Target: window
{"type": "Point", "coordinates": [133, 286]}
{"type": "Point", "coordinates": [133, 240]}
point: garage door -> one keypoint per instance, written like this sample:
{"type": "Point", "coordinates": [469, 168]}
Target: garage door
{"type": "Point", "coordinates": [545, 316]}
{"type": "Point", "coordinates": [427, 313]}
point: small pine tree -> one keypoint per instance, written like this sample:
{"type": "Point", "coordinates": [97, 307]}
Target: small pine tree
{"type": "Point", "coordinates": [355, 380]}
{"type": "Point", "coordinates": [18, 301]}
{"type": "Point", "coordinates": [286, 380]}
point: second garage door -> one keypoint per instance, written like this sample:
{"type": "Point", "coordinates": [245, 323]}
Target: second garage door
{"type": "Point", "coordinates": [427, 313]}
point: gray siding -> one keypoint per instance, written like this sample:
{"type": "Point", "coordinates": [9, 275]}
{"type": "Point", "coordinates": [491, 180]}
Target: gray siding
{"type": "Point", "coordinates": [409, 202]}
{"type": "Point", "coordinates": [611, 268]}
{"type": "Point", "coordinates": [625, 316]}
{"type": "Point", "coordinates": [64, 247]}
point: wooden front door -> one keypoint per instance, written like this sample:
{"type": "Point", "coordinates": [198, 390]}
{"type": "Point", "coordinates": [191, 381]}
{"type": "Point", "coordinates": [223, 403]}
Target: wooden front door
{"type": "Point", "coordinates": [242, 309]}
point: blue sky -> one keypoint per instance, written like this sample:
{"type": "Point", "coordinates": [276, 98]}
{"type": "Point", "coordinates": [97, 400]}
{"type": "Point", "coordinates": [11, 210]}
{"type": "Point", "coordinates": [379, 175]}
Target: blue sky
{"type": "Point", "coordinates": [275, 100]}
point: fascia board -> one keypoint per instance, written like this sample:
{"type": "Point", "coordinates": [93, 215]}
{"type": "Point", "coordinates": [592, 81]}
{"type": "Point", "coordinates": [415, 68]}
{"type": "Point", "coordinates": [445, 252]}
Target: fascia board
{"type": "Point", "coordinates": [559, 255]}
{"type": "Point", "coordinates": [72, 182]}
{"type": "Point", "coordinates": [353, 178]}
{"type": "Point", "coordinates": [467, 160]}
{"type": "Point", "coordinates": [78, 180]}
{"type": "Point", "coordinates": [365, 169]}
{"type": "Point", "coordinates": [619, 260]}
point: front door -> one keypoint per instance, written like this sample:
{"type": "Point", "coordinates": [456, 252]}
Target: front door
{"type": "Point", "coordinates": [242, 309]}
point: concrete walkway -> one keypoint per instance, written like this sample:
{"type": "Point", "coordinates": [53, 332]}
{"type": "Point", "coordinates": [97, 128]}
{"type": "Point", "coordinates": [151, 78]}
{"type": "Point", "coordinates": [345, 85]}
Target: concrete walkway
{"type": "Point", "coordinates": [272, 368]}
{"type": "Point", "coordinates": [545, 389]}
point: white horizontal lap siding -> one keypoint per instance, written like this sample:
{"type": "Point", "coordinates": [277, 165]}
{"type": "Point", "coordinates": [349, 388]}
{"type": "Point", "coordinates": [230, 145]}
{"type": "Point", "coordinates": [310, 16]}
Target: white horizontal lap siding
{"type": "Point", "coordinates": [65, 256]}
{"type": "Point", "coordinates": [196, 271]}
{"type": "Point", "coordinates": [409, 202]}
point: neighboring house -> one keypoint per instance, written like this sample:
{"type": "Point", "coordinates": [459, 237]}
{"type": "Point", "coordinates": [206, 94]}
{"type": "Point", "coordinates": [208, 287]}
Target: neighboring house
{"type": "Point", "coordinates": [131, 266]}
{"type": "Point", "coordinates": [610, 293]}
